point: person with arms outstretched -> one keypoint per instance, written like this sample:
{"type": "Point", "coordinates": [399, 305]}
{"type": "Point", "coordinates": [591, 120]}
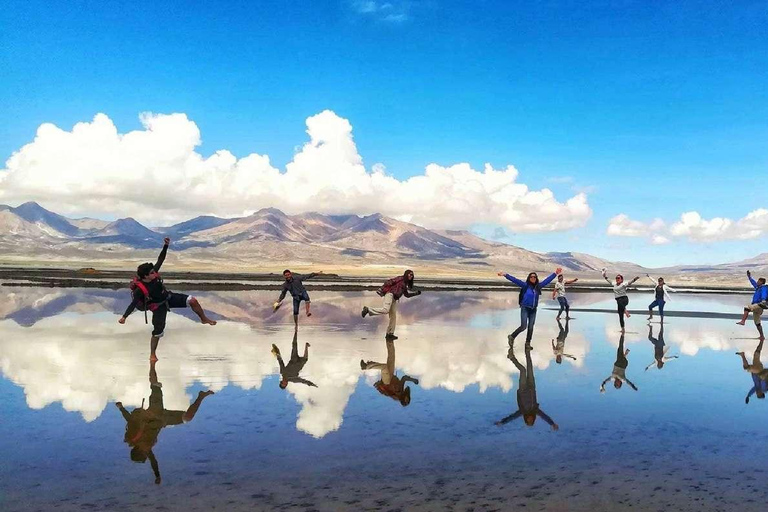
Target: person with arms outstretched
{"type": "Point", "coordinates": [530, 291]}
{"type": "Point", "coordinates": [559, 294]}
{"type": "Point", "coordinates": [757, 371]}
{"type": "Point", "coordinates": [559, 348]}
{"type": "Point", "coordinates": [660, 296]}
{"type": "Point", "coordinates": [659, 350]}
{"type": "Point", "coordinates": [294, 284]}
{"type": "Point", "coordinates": [290, 372]}
{"type": "Point", "coordinates": [619, 373]}
{"type": "Point", "coordinates": [620, 288]}
{"type": "Point", "coordinates": [390, 384]}
{"type": "Point", "coordinates": [759, 303]}
{"type": "Point", "coordinates": [143, 426]}
{"type": "Point", "coordinates": [391, 291]}
{"type": "Point", "coordinates": [150, 294]}
{"type": "Point", "coordinates": [527, 403]}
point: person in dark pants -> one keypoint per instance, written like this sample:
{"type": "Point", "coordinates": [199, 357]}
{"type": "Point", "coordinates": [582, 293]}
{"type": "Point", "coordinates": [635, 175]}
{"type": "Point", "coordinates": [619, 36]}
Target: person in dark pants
{"type": "Point", "coordinates": [143, 426]}
{"type": "Point", "coordinates": [559, 293]}
{"type": "Point", "coordinates": [660, 296]}
{"type": "Point", "coordinates": [527, 404]}
{"type": "Point", "coordinates": [619, 373]}
{"type": "Point", "coordinates": [294, 284]}
{"type": "Point", "coordinates": [620, 293]}
{"type": "Point", "coordinates": [530, 290]}
{"type": "Point", "coordinates": [150, 294]}
{"type": "Point", "coordinates": [290, 372]}
{"type": "Point", "coordinates": [659, 349]}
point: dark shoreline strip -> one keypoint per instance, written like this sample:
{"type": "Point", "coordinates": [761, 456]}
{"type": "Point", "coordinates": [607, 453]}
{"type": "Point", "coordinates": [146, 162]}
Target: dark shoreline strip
{"type": "Point", "coordinates": [672, 314]}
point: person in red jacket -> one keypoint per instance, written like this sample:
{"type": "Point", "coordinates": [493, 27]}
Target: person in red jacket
{"type": "Point", "coordinates": [392, 290]}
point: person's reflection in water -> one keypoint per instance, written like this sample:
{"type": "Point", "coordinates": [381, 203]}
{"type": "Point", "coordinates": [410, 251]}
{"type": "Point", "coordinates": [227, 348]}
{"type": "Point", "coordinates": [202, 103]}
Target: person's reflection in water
{"type": "Point", "coordinates": [619, 374]}
{"type": "Point", "coordinates": [390, 384]}
{"type": "Point", "coordinates": [758, 373]}
{"type": "Point", "coordinates": [659, 351]}
{"type": "Point", "coordinates": [290, 372]}
{"type": "Point", "coordinates": [143, 426]}
{"type": "Point", "coordinates": [527, 405]}
{"type": "Point", "coordinates": [559, 348]}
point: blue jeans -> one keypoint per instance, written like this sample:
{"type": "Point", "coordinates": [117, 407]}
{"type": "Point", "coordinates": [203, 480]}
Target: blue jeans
{"type": "Point", "coordinates": [527, 321]}
{"type": "Point", "coordinates": [563, 306]}
{"type": "Point", "coordinates": [297, 302]}
{"type": "Point", "coordinates": [659, 303]}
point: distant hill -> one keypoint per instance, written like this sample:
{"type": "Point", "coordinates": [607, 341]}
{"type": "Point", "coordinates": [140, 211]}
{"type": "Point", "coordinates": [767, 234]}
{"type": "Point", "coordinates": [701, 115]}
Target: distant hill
{"type": "Point", "coordinates": [270, 238]}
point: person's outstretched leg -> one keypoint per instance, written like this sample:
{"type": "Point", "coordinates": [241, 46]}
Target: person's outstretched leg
{"type": "Point", "coordinates": [198, 309]}
{"type": "Point", "coordinates": [307, 304]}
{"type": "Point", "coordinates": [158, 329]}
{"type": "Point", "coordinates": [760, 332]}
{"type": "Point", "coordinates": [190, 414]}
{"type": "Point", "coordinates": [387, 302]}
{"type": "Point", "coordinates": [520, 367]}
{"type": "Point", "coordinates": [661, 310]}
{"type": "Point", "coordinates": [621, 305]}
{"type": "Point", "coordinates": [744, 361]}
{"type": "Point", "coordinates": [744, 317]}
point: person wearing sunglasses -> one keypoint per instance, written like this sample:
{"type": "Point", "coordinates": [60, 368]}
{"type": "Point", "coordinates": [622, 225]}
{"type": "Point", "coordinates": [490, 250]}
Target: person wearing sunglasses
{"type": "Point", "coordinates": [620, 288]}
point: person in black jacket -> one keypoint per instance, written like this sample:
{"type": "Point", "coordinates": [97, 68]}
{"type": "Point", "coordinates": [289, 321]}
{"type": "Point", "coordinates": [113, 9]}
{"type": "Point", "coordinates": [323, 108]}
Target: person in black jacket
{"type": "Point", "coordinates": [150, 294]}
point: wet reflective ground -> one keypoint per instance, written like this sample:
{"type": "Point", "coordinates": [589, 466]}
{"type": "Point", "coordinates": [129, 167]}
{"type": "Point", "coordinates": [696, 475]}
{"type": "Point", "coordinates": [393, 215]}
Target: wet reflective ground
{"type": "Point", "coordinates": [338, 437]}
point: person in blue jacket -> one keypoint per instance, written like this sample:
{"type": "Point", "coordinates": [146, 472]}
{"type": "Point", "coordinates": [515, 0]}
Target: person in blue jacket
{"type": "Point", "coordinates": [759, 303]}
{"type": "Point", "coordinates": [530, 291]}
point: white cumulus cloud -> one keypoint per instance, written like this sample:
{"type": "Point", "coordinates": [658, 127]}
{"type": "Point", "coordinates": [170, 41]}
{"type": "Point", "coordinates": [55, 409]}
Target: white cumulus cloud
{"type": "Point", "coordinates": [156, 175]}
{"type": "Point", "coordinates": [692, 227]}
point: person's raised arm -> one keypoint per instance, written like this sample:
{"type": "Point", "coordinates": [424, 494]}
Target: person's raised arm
{"type": "Point", "coordinates": [751, 392]}
{"type": "Point", "coordinates": [161, 258]}
{"type": "Point", "coordinates": [630, 384]}
{"type": "Point", "coordinates": [408, 293]}
{"type": "Point", "coordinates": [550, 277]}
{"type": "Point", "coordinates": [549, 420]}
{"type": "Point", "coordinates": [515, 280]}
{"type": "Point", "coordinates": [606, 279]}
{"type": "Point", "coordinates": [509, 418]}
{"type": "Point", "coordinates": [602, 385]}
{"type": "Point", "coordinates": [752, 281]}
{"type": "Point", "coordinates": [651, 279]}
{"type": "Point", "coordinates": [125, 413]}
{"type": "Point", "coordinates": [572, 280]}
{"type": "Point", "coordinates": [650, 365]}
{"type": "Point", "coordinates": [299, 380]}
{"type": "Point", "coordinates": [311, 275]}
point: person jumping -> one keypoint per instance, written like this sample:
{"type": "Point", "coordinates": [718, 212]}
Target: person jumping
{"type": "Point", "coordinates": [150, 294]}
{"type": "Point", "coordinates": [559, 294]}
{"type": "Point", "coordinates": [294, 284]}
{"type": "Point", "coordinates": [759, 303]}
{"type": "Point", "coordinates": [620, 293]}
{"type": "Point", "coordinates": [392, 290]}
{"type": "Point", "coordinates": [661, 296]}
{"type": "Point", "coordinates": [530, 290]}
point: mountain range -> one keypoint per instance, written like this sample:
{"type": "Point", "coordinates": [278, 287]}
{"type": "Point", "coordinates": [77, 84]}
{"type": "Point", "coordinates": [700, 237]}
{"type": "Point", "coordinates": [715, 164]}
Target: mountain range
{"type": "Point", "coordinates": [270, 239]}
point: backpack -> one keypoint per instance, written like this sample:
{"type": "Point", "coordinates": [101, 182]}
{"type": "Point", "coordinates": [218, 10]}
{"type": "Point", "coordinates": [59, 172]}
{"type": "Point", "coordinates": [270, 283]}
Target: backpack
{"type": "Point", "coordinates": [144, 305]}
{"type": "Point", "coordinates": [388, 285]}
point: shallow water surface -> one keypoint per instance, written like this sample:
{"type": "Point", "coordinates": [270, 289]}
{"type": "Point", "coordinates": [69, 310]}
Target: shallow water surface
{"type": "Point", "coordinates": [684, 440]}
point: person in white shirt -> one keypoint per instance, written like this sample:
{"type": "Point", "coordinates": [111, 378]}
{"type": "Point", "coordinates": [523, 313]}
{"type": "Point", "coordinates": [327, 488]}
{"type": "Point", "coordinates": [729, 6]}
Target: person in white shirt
{"type": "Point", "coordinates": [661, 296]}
{"type": "Point", "coordinates": [559, 294]}
{"type": "Point", "coordinates": [659, 350]}
{"type": "Point", "coordinates": [559, 348]}
{"type": "Point", "coordinates": [620, 293]}
{"type": "Point", "coordinates": [619, 373]}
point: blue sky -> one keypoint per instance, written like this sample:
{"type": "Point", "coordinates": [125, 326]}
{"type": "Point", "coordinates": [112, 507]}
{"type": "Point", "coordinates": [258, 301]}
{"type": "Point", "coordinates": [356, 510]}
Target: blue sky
{"type": "Point", "coordinates": [653, 108]}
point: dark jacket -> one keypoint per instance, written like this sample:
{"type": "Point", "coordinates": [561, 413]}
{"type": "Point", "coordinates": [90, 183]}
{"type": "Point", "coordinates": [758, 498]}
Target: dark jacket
{"type": "Point", "coordinates": [295, 286]}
